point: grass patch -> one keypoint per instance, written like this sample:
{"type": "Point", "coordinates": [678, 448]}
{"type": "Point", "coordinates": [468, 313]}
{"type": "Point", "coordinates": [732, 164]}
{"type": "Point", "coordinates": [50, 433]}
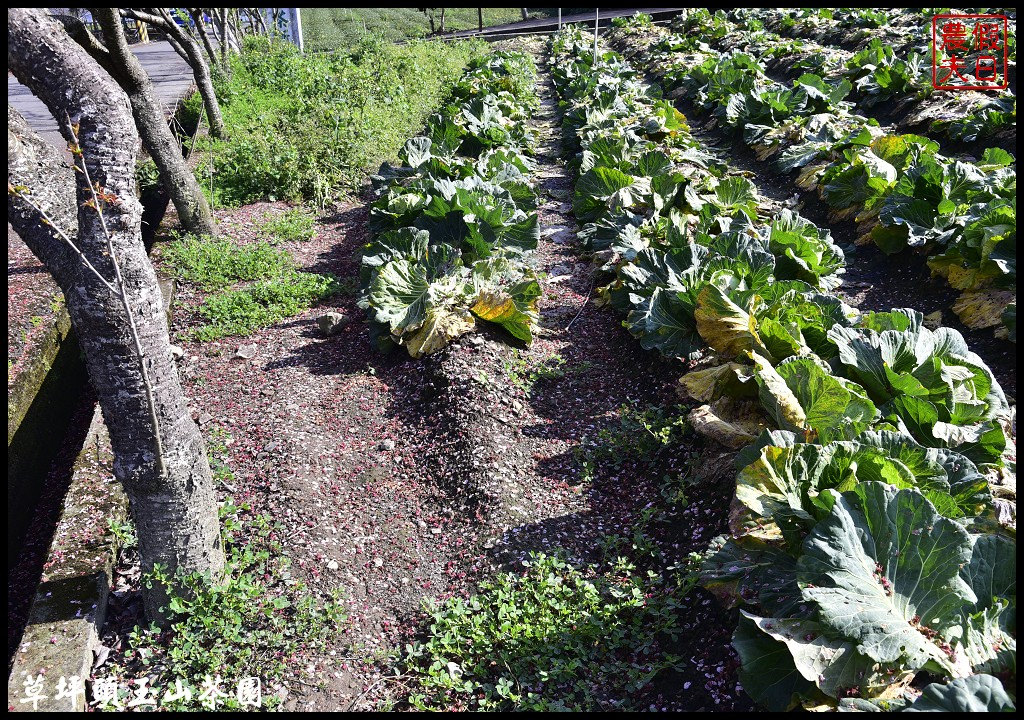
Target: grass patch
{"type": "Point", "coordinates": [217, 263]}
{"type": "Point", "coordinates": [295, 225]}
{"type": "Point", "coordinates": [552, 638]}
{"type": "Point", "coordinates": [644, 435]}
{"type": "Point", "coordinates": [257, 622]}
{"type": "Point", "coordinates": [277, 290]}
{"type": "Point", "coordinates": [308, 128]}
{"type": "Point", "coordinates": [245, 310]}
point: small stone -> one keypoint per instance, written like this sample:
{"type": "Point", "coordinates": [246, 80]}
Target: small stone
{"type": "Point", "coordinates": [435, 531]}
{"type": "Point", "coordinates": [332, 565]}
{"type": "Point", "coordinates": [246, 352]}
{"type": "Point", "coordinates": [387, 444]}
{"type": "Point", "coordinates": [378, 562]}
{"type": "Point", "coordinates": [177, 352]}
{"type": "Point", "coordinates": [476, 340]}
{"type": "Point", "coordinates": [331, 323]}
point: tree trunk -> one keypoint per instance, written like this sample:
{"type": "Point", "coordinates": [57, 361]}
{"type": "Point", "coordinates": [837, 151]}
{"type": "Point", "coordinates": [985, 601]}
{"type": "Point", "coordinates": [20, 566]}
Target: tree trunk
{"type": "Point", "coordinates": [220, 16]}
{"type": "Point", "coordinates": [480, 18]}
{"type": "Point", "coordinates": [197, 17]}
{"type": "Point", "coordinates": [526, 16]}
{"type": "Point", "coordinates": [261, 23]}
{"type": "Point", "coordinates": [170, 493]}
{"type": "Point", "coordinates": [120, 62]}
{"type": "Point", "coordinates": [442, 21]}
{"type": "Point", "coordinates": [186, 46]}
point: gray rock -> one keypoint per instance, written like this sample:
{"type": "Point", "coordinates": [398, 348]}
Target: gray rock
{"type": "Point", "coordinates": [246, 352]}
{"type": "Point", "coordinates": [331, 323]}
{"type": "Point", "coordinates": [387, 444]}
{"type": "Point", "coordinates": [177, 352]}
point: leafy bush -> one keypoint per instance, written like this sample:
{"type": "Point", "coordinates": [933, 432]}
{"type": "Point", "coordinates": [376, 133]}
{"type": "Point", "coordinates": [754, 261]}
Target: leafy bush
{"type": "Point", "coordinates": [304, 128]}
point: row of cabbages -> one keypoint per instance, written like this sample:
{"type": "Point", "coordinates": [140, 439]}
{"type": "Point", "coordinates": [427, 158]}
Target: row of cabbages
{"type": "Point", "coordinates": [454, 226]}
{"type": "Point", "coordinates": [871, 556]}
{"type": "Point", "coordinates": [900, 189]}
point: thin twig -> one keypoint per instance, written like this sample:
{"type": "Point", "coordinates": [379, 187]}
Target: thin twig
{"type": "Point", "coordinates": [583, 306]}
{"type": "Point", "coordinates": [365, 692]}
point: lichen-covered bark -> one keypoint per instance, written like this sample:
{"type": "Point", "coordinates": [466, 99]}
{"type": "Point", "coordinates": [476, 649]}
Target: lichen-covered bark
{"type": "Point", "coordinates": [175, 510]}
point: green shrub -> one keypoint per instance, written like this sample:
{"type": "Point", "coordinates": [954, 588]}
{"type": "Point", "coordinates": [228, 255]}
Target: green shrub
{"type": "Point", "coordinates": [256, 622]}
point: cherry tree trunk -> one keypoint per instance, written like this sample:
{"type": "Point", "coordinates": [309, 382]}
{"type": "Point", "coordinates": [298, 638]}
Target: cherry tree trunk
{"type": "Point", "coordinates": [171, 493]}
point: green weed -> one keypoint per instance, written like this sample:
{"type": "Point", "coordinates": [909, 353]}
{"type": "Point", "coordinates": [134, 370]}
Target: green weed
{"type": "Point", "coordinates": [245, 310]}
{"type": "Point", "coordinates": [643, 434]}
{"type": "Point", "coordinates": [217, 449]}
{"type": "Point", "coordinates": [553, 638]}
{"type": "Point", "coordinates": [256, 622]}
{"type": "Point", "coordinates": [295, 225]}
{"type": "Point", "coordinates": [217, 263]}
{"type": "Point", "coordinates": [524, 373]}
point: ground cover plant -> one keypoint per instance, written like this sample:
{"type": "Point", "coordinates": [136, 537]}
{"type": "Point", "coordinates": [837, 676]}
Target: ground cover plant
{"type": "Point", "coordinates": [860, 471]}
{"type": "Point", "coordinates": [307, 128]}
{"type": "Point", "coordinates": [454, 224]}
{"type": "Point", "coordinates": [255, 623]}
{"type": "Point", "coordinates": [549, 638]}
{"type": "Point", "coordinates": [251, 286]}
